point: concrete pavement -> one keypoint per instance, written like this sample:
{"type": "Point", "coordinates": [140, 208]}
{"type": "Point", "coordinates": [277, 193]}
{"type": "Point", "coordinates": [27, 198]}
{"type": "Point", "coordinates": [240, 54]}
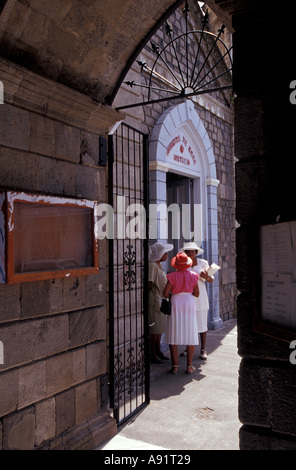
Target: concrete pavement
{"type": "Point", "coordinates": [190, 412]}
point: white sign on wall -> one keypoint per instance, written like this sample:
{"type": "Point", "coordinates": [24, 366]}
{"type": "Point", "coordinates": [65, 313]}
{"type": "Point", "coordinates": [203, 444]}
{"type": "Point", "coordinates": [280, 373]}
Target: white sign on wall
{"type": "Point", "coordinates": [278, 268]}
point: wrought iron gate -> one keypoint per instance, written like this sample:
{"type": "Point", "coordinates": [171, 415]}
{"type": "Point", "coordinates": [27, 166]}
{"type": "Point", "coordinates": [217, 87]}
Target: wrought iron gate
{"type": "Point", "coordinates": [128, 268]}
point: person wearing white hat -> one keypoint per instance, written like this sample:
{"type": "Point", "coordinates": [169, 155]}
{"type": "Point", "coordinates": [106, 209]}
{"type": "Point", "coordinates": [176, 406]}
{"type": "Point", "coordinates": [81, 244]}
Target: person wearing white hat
{"type": "Point", "coordinates": [158, 252]}
{"type": "Point", "coordinates": [200, 266]}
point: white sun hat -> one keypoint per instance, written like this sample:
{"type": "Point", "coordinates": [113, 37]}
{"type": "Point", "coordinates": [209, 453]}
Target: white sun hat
{"type": "Point", "coordinates": [192, 246]}
{"type": "Point", "coordinates": [158, 249]}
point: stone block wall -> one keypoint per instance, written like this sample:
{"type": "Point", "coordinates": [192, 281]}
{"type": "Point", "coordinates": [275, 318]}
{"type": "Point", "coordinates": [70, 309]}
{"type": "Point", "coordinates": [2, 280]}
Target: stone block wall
{"type": "Point", "coordinates": [53, 331]}
{"type": "Point", "coordinates": [265, 184]}
{"type": "Point", "coordinates": [220, 131]}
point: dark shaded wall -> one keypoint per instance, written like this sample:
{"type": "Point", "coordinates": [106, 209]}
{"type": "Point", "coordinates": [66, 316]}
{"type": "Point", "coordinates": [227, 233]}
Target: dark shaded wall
{"type": "Point", "coordinates": [265, 185]}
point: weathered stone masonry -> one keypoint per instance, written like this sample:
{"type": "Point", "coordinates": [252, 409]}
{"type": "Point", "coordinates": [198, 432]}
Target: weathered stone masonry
{"type": "Point", "coordinates": [53, 332]}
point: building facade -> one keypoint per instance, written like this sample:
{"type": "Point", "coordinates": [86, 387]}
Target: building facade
{"type": "Point", "coordinates": [55, 331]}
{"type": "Point", "coordinates": [61, 66]}
{"type": "Point", "coordinates": [191, 153]}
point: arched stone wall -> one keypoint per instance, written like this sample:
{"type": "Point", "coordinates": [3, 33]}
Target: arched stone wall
{"type": "Point", "coordinates": [181, 126]}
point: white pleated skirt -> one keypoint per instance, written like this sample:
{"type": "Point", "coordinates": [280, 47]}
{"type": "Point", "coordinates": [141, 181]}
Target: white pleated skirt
{"type": "Point", "coordinates": [202, 320]}
{"type": "Point", "coordinates": [182, 323]}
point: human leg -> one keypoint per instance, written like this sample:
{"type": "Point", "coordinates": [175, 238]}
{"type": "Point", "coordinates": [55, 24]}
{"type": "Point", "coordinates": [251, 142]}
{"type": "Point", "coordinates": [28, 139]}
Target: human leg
{"type": "Point", "coordinates": [203, 351]}
{"type": "Point", "coordinates": [174, 358]}
{"type": "Point", "coordinates": [154, 357]}
{"type": "Point", "coordinates": [190, 352]}
{"type": "Point", "coordinates": [158, 350]}
{"type": "Point", "coordinates": [202, 322]}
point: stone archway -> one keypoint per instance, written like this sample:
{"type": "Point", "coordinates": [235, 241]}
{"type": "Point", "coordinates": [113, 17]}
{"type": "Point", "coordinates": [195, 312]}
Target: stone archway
{"type": "Point", "coordinates": [181, 125]}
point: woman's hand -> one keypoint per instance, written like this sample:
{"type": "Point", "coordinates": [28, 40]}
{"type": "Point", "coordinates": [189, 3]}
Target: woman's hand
{"type": "Point", "coordinates": [205, 276]}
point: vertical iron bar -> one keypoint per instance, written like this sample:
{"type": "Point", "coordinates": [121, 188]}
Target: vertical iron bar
{"type": "Point", "coordinates": [111, 278]}
{"type": "Point", "coordinates": [136, 265]}
{"type": "Point", "coordinates": [186, 10]}
{"type": "Point", "coordinates": [128, 278]}
{"type": "Point", "coordinates": [124, 299]}
{"type": "Point", "coordinates": [117, 273]}
{"type": "Point", "coordinates": [145, 283]}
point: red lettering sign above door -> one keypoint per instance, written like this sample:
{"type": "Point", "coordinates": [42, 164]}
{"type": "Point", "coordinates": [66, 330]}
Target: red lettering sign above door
{"type": "Point", "coordinates": [180, 151]}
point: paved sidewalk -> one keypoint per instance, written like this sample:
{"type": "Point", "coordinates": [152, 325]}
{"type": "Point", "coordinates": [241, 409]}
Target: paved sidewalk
{"type": "Point", "coordinates": [190, 412]}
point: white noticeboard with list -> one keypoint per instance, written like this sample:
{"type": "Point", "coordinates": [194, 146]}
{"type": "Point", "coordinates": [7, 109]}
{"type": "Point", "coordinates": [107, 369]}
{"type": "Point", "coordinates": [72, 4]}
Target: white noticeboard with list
{"type": "Point", "coordinates": [278, 272]}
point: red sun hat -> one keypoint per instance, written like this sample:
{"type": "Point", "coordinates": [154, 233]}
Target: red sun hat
{"type": "Point", "coordinates": [181, 262]}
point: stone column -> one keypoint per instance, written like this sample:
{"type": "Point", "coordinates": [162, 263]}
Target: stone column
{"type": "Point", "coordinates": [214, 320]}
{"type": "Point", "coordinates": [157, 190]}
{"type": "Point", "coordinates": [264, 142]}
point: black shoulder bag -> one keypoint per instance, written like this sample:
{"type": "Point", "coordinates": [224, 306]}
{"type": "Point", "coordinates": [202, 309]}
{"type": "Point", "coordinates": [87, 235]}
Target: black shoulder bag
{"type": "Point", "coordinates": [165, 307]}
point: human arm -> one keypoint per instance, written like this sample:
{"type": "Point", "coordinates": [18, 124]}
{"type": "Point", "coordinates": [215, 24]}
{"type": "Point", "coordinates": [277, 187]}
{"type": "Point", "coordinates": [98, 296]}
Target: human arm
{"type": "Point", "coordinates": [152, 274]}
{"type": "Point", "coordinates": [196, 290]}
{"type": "Point", "coordinates": [167, 289]}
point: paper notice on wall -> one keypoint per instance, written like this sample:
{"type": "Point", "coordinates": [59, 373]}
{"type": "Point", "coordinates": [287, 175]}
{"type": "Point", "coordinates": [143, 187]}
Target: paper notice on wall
{"type": "Point", "coordinates": [276, 299]}
{"type": "Point", "coordinates": [277, 249]}
{"type": "Point", "coordinates": [278, 270]}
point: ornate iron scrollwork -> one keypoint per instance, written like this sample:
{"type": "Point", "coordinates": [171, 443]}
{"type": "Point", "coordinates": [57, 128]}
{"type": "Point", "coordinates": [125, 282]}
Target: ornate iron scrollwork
{"type": "Point", "coordinates": [119, 377]}
{"type": "Point", "coordinates": [141, 364]}
{"type": "Point", "coordinates": [130, 371]}
{"type": "Point", "coordinates": [130, 374]}
{"type": "Point", "coordinates": [129, 261]}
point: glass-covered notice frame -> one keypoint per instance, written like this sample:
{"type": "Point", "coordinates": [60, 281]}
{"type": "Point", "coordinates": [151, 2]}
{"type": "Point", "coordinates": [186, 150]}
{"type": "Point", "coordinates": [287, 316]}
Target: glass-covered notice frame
{"type": "Point", "coordinates": [46, 237]}
{"type": "Point", "coordinates": [278, 280]}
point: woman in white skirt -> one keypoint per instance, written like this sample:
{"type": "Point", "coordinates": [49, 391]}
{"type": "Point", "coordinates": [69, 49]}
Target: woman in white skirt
{"type": "Point", "coordinates": [200, 266]}
{"type": "Point", "coordinates": [182, 323]}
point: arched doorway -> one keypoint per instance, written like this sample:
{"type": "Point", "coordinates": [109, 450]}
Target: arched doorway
{"type": "Point", "coordinates": [183, 178]}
